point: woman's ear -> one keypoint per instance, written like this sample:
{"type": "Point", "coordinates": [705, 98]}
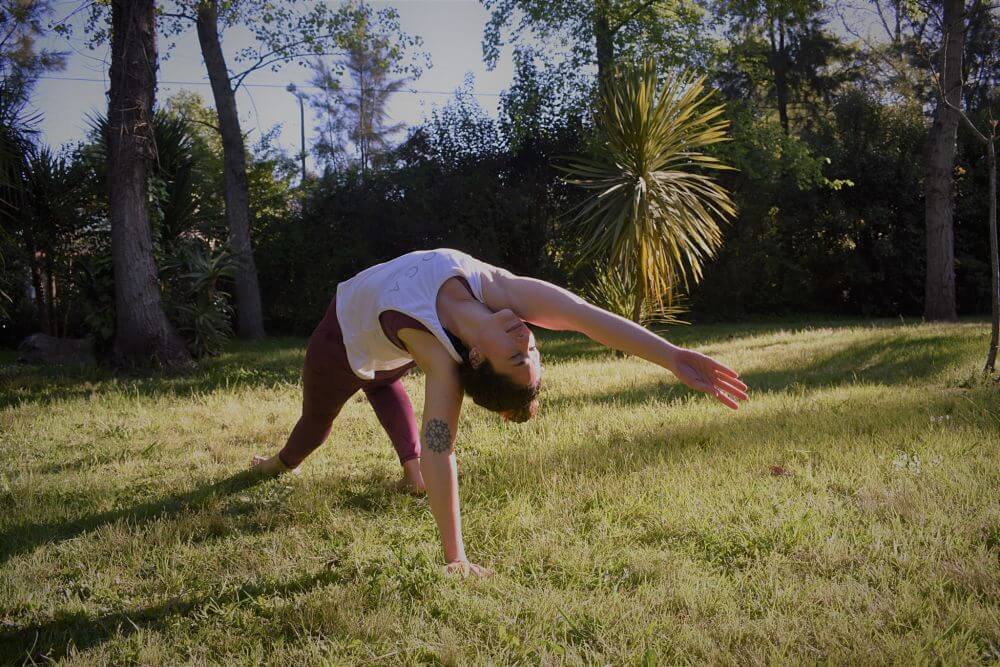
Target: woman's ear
{"type": "Point", "coordinates": [476, 357]}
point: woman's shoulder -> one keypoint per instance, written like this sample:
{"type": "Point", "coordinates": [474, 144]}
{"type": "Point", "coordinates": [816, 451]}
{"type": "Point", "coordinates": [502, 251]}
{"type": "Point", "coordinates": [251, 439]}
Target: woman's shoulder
{"type": "Point", "coordinates": [427, 351]}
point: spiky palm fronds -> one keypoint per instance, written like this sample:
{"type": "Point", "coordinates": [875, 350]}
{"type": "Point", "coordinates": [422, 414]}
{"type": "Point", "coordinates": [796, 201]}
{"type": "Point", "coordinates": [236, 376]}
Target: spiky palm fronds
{"type": "Point", "coordinates": [651, 211]}
{"type": "Point", "coordinates": [614, 290]}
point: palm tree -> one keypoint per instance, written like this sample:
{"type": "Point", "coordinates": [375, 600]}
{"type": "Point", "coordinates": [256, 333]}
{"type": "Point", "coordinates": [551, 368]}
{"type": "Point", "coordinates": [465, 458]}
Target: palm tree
{"type": "Point", "coordinates": [17, 134]}
{"type": "Point", "coordinates": [650, 212]}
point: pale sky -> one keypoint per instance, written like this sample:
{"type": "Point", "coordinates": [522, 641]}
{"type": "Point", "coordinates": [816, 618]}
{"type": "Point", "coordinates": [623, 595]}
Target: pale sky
{"type": "Point", "coordinates": [452, 31]}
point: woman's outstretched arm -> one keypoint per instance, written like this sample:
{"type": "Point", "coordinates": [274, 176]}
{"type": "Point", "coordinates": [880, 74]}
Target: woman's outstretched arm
{"type": "Point", "coordinates": [553, 307]}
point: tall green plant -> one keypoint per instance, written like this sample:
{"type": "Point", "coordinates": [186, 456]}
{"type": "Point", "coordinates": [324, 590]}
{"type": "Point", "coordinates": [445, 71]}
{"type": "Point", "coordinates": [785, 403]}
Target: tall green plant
{"type": "Point", "coordinates": [651, 211]}
{"type": "Point", "coordinates": [194, 299]}
{"type": "Point", "coordinates": [614, 290]}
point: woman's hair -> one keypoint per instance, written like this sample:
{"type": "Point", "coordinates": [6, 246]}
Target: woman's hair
{"type": "Point", "coordinates": [494, 391]}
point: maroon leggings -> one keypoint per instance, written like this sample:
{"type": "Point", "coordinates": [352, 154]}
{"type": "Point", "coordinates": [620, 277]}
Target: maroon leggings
{"type": "Point", "coordinates": [327, 383]}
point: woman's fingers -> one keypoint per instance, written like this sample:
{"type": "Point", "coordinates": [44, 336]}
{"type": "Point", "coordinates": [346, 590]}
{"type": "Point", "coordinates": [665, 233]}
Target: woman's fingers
{"type": "Point", "coordinates": [722, 368]}
{"type": "Point", "coordinates": [724, 398]}
{"type": "Point", "coordinates": [466, 569]}
{"type": "Point", "coordinates": [734, 389]}
{"type": "Point", "coordinates": [731, 381]}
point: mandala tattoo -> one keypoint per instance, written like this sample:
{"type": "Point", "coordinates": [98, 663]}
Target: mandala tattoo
{"type": "Point", "coordinates": [437, 437]}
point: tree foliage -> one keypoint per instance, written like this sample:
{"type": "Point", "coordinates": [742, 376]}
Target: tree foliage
{"type": "Point", "coordinates": [357, 114]}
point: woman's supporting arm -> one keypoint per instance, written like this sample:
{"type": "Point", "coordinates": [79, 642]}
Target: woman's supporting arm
{"type": "Point", "coordinates": [442, 405]}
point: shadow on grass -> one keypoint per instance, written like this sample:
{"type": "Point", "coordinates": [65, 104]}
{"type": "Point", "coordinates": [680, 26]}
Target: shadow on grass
{"type": "Point", "coordinates": [54, 639]}
{"type": "Point", "coordinates": [893, 360]}
{"type": "Point", "coordinates": [278, 361]}
{"type": "Point", "coordinates": [27, 536]}
{"type": "Point", "coordinates": [859, 419]}
{"type": "Point", "coordinates": [261, 364]}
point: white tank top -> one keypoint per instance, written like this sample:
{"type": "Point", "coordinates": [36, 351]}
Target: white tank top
{"type": "Point", "coordinates": [408, 284]}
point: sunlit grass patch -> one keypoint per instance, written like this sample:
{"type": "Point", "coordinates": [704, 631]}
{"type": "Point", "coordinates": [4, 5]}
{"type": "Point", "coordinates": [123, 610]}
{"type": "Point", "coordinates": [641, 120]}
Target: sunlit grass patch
{"type": "Point", "coordinates": [849, 513]}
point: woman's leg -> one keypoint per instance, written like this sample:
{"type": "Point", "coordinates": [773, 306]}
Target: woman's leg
{"type": "Point", "coordinates": [394, 410]}
{"type": "Point", "coordinates": [309, 433]}
{"type": "Point", "coordinates": [325, 390]}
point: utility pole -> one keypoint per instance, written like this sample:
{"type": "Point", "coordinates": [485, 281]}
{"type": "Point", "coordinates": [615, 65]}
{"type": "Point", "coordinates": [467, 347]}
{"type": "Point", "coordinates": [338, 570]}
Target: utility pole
{"type": "Point", "coordinates": [302, 129]}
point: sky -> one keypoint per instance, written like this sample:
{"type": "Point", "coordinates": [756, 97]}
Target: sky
{"type": "Point", "coordinates": [451, 30]}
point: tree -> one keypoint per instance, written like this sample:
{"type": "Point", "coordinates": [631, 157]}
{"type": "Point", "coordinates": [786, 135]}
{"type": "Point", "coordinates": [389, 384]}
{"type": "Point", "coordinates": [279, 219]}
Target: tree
{"type": "Point", "coordinates": [988, 138]}
{"type": "Point", "coordinates": [21, 61]}
{"type": "Point", "coordinates": [599, 31]}
{"type": "Point", "coordinates": [783, 47]}
{"type": "Point", "coordinates": [48, 225]}
{"type": "Point", "coordinates": [947, 42]}
{"type": "Point", "coordinates": [939, 295]}
{"type": "Point", "coordinates": [250, 314]}
{"type": "Point", "coordinates": [142, 332]}
{"type": "Point", "coordinates": [358, 113]}
{"type": "Point", "coordinates": [649, 212]}
{"type": "Point", "coordinates": [282, 32]}
{"type": "Point", "coordinates": [16, 144]}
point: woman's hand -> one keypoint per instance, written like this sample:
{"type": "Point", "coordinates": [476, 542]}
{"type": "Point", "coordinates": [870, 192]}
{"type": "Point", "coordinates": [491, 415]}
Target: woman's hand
{"type": "Point", "coordinates": [703, 373]}
{"type": "Point", "coordinates": [467, 569]}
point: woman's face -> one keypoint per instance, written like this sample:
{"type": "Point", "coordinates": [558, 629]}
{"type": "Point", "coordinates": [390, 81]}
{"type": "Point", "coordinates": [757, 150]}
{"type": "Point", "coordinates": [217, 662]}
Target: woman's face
{"type": "Point", "coordinates": [509, 345]}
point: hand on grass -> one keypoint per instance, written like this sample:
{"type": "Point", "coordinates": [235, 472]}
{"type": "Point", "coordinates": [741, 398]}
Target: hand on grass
{"type": "Point", "coordinates": [272, 466]}
{"type": "Point", "coordinates": [467, 569]}
{"type": "Point", "coordinates": [703, 373]}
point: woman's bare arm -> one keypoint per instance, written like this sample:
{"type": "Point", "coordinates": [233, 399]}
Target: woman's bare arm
{"type": "Point", "coordinates": [553, 307]}
{"type": "Point", "coordinates": [442, 404]}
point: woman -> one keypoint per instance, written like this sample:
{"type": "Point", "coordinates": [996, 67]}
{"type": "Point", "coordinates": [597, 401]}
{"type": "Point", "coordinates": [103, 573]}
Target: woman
{"type": "Point", "coordinates": [462, 321]}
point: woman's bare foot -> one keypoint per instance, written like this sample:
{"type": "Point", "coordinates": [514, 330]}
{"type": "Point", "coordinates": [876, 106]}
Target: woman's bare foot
{"type": "Point", "coordinates": [271, 466]}
{"type": "Point", "coordinates": [413, 481]}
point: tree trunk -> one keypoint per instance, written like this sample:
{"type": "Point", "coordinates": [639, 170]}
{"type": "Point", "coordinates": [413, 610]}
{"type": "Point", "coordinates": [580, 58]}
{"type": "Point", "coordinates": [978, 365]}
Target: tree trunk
{"type": "Point", "coordinates": [37, 283]}
{"type": "Point", "coordinates": [779, 67]}
{"type": "Point", "coordinates": [939, 294]}
{"type": "Point", "coordinates": [250, 318]}
{"type": "Point", "coordinates": [991, 159]}
{"type": "Point", "coordinates": [604, 43]}
{"type": "Point", "coordinates": [142, 334]}
{"type": "Point", "coordinates": [50, 295]}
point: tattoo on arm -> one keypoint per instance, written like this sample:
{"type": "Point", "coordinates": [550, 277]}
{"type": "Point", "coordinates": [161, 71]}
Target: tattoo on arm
{"type": "Point", "coordinates": [437, 436]}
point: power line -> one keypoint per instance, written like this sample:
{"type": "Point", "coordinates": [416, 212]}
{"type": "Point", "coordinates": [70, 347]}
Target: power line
{"type": "Point", "coordinates": [262, 85]}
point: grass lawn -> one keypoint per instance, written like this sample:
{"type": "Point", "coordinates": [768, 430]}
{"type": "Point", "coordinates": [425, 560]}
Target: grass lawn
{"type": "Point", "coordinates": [632, 522]}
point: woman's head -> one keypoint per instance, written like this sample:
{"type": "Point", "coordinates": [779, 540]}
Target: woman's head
{"type": "Point", "coordinates": [502, 370]}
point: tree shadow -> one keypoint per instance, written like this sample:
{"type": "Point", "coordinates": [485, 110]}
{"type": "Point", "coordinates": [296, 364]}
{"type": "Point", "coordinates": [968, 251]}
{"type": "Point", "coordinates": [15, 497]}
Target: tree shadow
{"type": "Point", "coordinates": [53, 640]}
{"type": "Point", "coordinates": [278, 361]}
{"type": "Point", "coordinates": [605, 453]}
{"type": "Point", "coordinates": [25, 537]}
{"type": "Point", "coordinates": [261, 364]}
{"type": "Point", "coordinates": [893, 360]}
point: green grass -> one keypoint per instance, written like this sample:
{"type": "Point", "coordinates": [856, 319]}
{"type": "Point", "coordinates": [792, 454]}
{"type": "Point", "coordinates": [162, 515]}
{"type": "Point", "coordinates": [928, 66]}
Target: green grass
{"type": "Point", "coordinates": [631, 523]}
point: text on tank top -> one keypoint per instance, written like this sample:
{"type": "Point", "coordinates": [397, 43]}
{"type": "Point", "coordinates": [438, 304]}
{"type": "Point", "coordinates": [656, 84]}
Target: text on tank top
{"type": "Point", "coordinates": [393, 320]}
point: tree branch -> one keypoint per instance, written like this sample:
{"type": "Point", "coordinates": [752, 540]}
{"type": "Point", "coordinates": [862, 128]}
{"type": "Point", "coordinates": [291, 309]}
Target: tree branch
{"type": "Point", "coordinates": [881, 17]}
{"type": "Point", "coordinates": [262, 62]}
{"type": "Point", "coordinates": [179, 15]}
{"type": "Point", "coordinates": [939, 79]}
{"type": "Point", "coordinates": [62, 21]}
{"type": "Point", "coordinates": [262, 59]}
{"type": "Point", "coordinates": [203, 122]}
{"type": "Point", "coordinates": [638, 10]}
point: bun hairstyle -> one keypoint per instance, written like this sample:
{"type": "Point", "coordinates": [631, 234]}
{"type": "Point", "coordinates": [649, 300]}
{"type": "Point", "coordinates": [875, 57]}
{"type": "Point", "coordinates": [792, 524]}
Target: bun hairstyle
{"type": "Point", "coordinates": [494, 391]}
